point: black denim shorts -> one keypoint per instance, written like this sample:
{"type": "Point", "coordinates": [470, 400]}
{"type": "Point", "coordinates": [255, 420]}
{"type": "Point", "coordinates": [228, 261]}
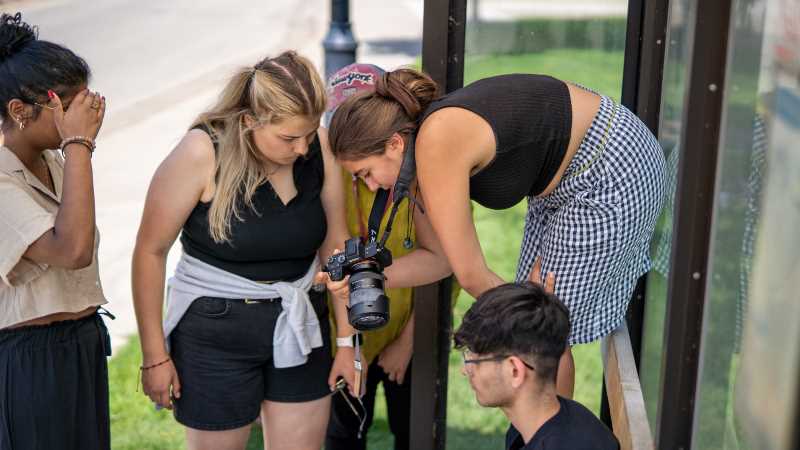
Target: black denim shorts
{"type": "Point", "coordinates": [222, 350]}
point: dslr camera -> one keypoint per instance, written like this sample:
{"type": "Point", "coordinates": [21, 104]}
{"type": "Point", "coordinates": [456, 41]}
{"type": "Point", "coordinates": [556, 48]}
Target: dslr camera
{"type": "Point", "coordinates": [369, 305]}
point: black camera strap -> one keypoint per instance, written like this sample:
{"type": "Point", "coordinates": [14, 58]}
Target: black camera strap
{"type": "Point", "coordinates": [401, 188]}
{"type": "Point", "coordinates": [376, 215]}
{"type": "Point", "coordinates": [373, 227]}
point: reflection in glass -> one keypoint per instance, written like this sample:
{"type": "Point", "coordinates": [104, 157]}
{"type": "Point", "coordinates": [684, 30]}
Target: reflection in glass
{"type": "Point", "coordinates": [672, 103]}
{"type": "Point", "coordinates": [754, 248]}
{"type": "Point", "coordinates": [736, 218]}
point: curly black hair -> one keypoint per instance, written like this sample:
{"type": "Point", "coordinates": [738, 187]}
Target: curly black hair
{"type": "Point", "coordinates": [14, 34]}
{"type": "Point", "coordinates": [29, 67]}
{"type": "Point", "coordinates": [517, 319]}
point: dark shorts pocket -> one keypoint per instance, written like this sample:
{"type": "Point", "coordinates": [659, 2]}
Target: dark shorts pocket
{"type": "Point", "coordinates": [210, 307]}
{"type": "Point", "coordinates": [221, 323]}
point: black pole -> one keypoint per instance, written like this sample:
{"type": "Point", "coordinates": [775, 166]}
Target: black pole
{"type": "Point", "coordinates": [339, 44]}
{"type": "Point", "coordinates": [443, 32]}
{"type": "Point", "coordinates": [703, 106]}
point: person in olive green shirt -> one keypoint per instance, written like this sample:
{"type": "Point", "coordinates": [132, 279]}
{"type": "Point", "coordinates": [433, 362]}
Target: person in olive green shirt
{"type": "Point", "coordinates": [387, 351]}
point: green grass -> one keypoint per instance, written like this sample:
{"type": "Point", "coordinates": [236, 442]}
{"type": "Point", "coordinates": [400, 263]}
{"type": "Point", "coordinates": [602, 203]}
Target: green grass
{"type": "Point", "coordinates": [596, 69]}
{"type": "Point", "coordinates": [534, 35]}
{"type": "Point", "coordinates": [134, 422]}
{"type": "Point", "coordinates": [135, 425]}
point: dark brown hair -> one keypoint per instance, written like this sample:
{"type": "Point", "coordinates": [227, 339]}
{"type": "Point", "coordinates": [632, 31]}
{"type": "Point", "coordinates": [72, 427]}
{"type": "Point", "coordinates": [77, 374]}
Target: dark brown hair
{"type": "Point", "coordinates": [517, 319]}
{"type": "Point", "coordinates": [363, 124]}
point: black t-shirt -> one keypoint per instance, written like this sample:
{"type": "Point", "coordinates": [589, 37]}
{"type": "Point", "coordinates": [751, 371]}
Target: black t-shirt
{"type": "Point", "coordinates": [573, 428]}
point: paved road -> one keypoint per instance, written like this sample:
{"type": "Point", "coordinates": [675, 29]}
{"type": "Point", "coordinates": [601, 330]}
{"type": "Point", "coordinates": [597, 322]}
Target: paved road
{"type": "Point", "coordinates": [160, 63]}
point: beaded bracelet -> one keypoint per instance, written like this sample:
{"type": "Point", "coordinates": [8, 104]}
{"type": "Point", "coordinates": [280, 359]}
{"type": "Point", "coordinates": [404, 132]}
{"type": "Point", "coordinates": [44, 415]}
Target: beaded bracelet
{"type": "Point", "coordinates": [143, 368]}
{"type": "Point", "coordinates": [154, 365]}
{"type": "Point", "coordinates": [83, 140]}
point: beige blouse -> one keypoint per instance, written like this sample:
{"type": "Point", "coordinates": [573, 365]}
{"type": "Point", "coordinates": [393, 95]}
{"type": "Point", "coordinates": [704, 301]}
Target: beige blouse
{"type": "Point", "coordinates": [29, 290]}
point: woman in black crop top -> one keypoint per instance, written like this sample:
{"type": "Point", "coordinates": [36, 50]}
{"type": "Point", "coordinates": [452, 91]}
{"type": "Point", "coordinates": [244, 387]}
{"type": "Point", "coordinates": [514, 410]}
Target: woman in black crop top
{"type": "Point", "coordinates": [255, 199]}
{"type": "Point", "coordinates": [591, 171]}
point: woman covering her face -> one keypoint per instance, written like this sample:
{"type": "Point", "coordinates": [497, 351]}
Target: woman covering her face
{"type": "Point", "coordinates": [53, 343]}
{"type": "Point", "coordinates": [590, 170]}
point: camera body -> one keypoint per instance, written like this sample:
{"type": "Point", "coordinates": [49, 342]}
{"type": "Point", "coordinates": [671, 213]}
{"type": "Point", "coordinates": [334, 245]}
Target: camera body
{"type": "Point", "coordinates": [364, 262]}
{"type": "Point", "coordinates": [341, 264]}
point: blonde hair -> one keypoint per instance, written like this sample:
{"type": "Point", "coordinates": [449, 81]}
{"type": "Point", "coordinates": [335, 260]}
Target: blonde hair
{"type": "Point", "coordinates": [273, 90]}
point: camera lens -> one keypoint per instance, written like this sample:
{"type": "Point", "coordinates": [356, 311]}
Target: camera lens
{"type": "Point", "coordinates": [369, 305]}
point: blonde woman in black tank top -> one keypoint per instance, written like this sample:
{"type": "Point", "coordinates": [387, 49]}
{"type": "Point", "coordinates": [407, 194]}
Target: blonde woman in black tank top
{"type": "Point", "coordinates": [254, 194]}
{"type": "Point", "coordinates": [591, 171]}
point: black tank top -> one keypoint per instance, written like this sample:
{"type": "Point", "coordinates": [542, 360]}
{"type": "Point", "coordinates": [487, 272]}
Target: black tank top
{"type": "Point", "coordinates": [274, 241]}
{"type": "Point", "coordinates": [531, 117]}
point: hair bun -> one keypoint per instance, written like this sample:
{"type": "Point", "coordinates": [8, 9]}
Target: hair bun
{"type": "Point", "coordinates": [14, 35]}
{"type": "Point", "coordinates": [412, 89]}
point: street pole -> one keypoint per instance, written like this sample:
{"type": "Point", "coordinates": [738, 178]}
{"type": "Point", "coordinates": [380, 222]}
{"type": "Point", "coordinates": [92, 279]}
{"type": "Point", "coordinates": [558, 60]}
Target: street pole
{"type": "Point", "coordinates": [339, 44]}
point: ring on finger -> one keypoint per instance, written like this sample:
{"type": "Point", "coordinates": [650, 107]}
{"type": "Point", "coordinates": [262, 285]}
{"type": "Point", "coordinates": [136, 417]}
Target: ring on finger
{"type": "Point", "coordinates": [95, 100]}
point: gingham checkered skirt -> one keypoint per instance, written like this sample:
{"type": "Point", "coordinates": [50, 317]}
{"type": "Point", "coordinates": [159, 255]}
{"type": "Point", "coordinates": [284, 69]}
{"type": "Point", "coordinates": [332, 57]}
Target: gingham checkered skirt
{"type": "Point", "coordinates": [593, 231]}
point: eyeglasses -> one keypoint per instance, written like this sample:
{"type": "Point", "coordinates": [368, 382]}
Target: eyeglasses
{"type": "Point", "coordinates": [477, 361]}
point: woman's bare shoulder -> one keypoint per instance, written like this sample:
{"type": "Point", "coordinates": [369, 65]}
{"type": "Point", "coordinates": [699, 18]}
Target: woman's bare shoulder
{"type": "Point", "coordinates": [193, 161]}
{"type": "Point", "coordinates": [195, 148]}
{"type": "Point", "coordinates": [457, 134]}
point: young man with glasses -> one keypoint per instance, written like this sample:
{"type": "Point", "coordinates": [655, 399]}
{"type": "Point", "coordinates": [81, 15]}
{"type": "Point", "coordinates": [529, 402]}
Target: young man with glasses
{"type": "Point", "coordinates": [512, 338]}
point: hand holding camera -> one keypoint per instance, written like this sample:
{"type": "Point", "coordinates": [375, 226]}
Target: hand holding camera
{"type": "Point", "coordinates": [339, 289]}
{"type": "Point", "coordinates": [360, 267]}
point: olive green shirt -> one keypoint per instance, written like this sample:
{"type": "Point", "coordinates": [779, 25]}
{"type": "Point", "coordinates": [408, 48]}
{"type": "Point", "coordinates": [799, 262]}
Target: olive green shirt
{"type": "Point", "coordinates": [358, 203]}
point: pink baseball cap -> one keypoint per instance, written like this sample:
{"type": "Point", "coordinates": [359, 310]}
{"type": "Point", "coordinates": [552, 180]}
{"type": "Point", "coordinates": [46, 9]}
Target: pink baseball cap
{"type": "Point", "coordinates": [349, 80]}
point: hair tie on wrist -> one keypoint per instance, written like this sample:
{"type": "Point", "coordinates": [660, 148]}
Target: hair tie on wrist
{"type": "Point", "coordinates": [142, 368]}
{"type": "Point", "coordinates": [155, 365]}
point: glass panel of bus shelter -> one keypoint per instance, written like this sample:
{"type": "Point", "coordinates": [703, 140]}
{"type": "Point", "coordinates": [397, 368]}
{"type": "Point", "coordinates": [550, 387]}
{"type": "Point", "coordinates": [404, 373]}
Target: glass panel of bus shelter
{"type": "Point", "coordinates": [582, 41]}
{"type": "Point", "coordinates": [754, 260]}
{"type": "Point", "coordinates": [679, 41]}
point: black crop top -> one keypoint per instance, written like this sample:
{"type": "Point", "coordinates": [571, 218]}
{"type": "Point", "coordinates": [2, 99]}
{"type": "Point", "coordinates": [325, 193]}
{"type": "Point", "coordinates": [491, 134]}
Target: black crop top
{"type": "Point", "coordinates": [274, 242]}
{"type": "Point", "coordinates": [531, 117]}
